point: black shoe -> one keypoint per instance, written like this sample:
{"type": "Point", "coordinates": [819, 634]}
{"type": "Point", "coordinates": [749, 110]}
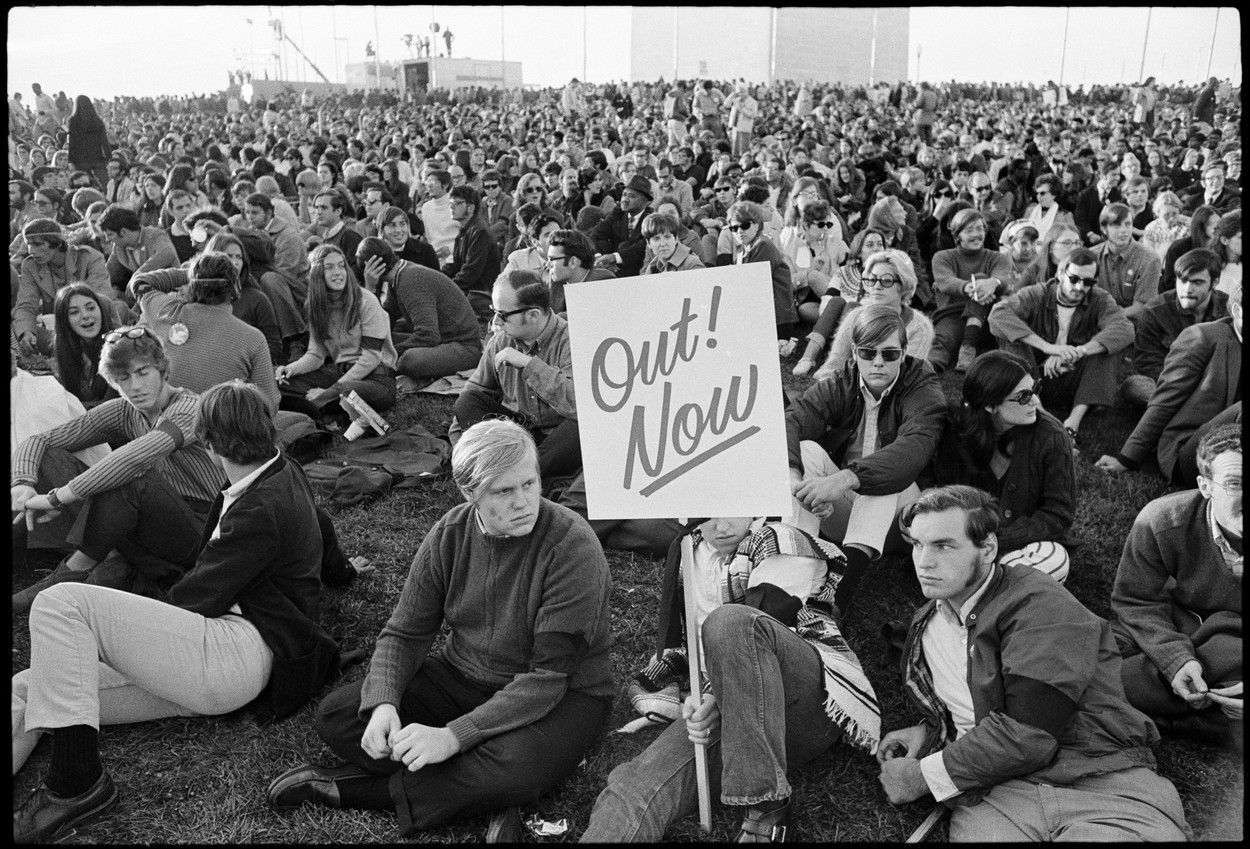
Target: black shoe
{"type": "Point", "coordinates": [311, 783]}
{"type": "Point", "coordinates": [762, 825]}
{"type": "Point", "coordinates": [44, 816]}
{"type": "Point", "coordinates": [1209, 727]}
{"type": "Point", "coordinates": [505, 826]}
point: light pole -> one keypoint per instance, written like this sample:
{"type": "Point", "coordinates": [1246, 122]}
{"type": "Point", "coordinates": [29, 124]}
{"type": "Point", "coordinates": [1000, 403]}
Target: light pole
{"type": "Point", "coordinates": [584, 44]}
{"type": "Point", "coordinates": [1063, 58]}
{"type": "Point", "coordinates": [347, 52]}
{"type": "Point", "coordinates": [377, 48]}
{"type": "Point", "coordinates": [1215, 27]}
{"type": "Point", "coordinates": [1141, 74]}
{"type": "Point", "coordinates": [918, 47]}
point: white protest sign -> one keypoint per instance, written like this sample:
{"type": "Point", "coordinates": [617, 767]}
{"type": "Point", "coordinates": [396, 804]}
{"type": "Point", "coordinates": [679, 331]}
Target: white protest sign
{"type": "Point", "coordinates": [679, 394]}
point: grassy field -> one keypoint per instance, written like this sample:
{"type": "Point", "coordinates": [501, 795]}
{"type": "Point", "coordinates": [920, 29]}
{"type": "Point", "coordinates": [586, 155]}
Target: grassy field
{"type": "Point", "coordinates": [184, 780]}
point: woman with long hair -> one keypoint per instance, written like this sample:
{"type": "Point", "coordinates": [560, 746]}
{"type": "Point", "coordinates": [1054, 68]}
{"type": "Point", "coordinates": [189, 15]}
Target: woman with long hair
{"type": "Point", "coordinates": [848, 186]}
{"type": "Point", "coordinates": [1202, 226]}
{"type": "Point", "coordinates": [88, 140]}
{"type": "Point", "coordinates": [349, 341]}
{"type": "Point", "coordinates": [82, 318]}
{"type": "Point", "coordinates": [1226, 244]}
{"type": "Point", "coordinates": [254, 306]}
{"type": "Point", "coordinates": [151, 200]}
{"type": "Point", "coordinates": [397, 187]}
{"type": "Point", "coordinates": [1062, 239]}
{"type": "Point", "coordinates": [182, 176]}
{"type": "Point", "coordinates": [999, 439]}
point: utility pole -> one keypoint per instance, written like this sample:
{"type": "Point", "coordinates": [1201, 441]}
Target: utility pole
{"type": "Point", "coordinates": [772, 46]}
{"type": "Point", "coordinates": [1141, 74]}
{"type": "Point", "coordinates": [377, 47]}
{"type": "Point", "coordinates": [1063, 58]}
{"type": "Point", "coordinates": [1214, 29]}
{"type": "Point", "coordinates": [584, 44]}
{"type": "Point", "coordinates": [872, 51]}
{"type": "Point", "coordinates": [918, 47]}
{"type": "Point", "coordinates": [503, 67]}
{"type": "Point", "coordinates": [676, 41]}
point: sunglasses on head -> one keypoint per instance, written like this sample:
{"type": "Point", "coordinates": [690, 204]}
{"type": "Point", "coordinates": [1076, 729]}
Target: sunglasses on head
{"type": "Point", "coordinates": [889, 355]}
{"type": "Point", "coordinates": [128, 333]}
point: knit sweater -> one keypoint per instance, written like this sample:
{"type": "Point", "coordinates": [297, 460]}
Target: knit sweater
{"type": "Point", "coordinates": [167, 445]}
{"type": "Point", "coordinates": [439, 311]}
{"type": "Point", "coordinates": [1171, 567]}
{"type": "Point", "coordinates": [528, 617]}
{"type": "Point", "coordinates": [217, 347]}
{"type": "Point", "coordinates": [953, 268]}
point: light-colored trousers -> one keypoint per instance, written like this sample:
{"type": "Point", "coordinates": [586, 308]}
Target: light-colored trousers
{"type": "Point", "coordinates": [100, 656]}
{"type": "Point", "coordinates": [860, 520]}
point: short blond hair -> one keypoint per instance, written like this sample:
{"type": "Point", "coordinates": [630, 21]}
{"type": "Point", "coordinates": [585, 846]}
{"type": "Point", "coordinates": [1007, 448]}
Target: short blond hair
{"type": "Point", "coordinates": [487, 450]}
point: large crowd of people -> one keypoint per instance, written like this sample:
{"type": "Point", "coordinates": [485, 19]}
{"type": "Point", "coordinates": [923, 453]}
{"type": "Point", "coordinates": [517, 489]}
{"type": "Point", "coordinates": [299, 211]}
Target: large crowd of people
{"type": "Point", "coordinates": [203, 274]}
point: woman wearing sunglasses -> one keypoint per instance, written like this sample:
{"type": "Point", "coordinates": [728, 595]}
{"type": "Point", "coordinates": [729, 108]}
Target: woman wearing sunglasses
{"type": "Point", "coordinates": [814, 248]}
{"type": "Point", "coordinates": [999, 439]}
{"type": "Point", "coordinates": [889, 280]}
{"type": "Point", "coordinates": [746, 227]}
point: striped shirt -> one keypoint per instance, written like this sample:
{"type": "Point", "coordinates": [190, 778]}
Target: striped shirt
{"type": "Point", "coordinates": [168, 446]}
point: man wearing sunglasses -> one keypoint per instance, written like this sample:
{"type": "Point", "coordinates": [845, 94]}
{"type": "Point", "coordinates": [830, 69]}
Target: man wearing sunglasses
{"type": "Point", "coordinates": [1073, 329]}
{"type": "Point", "coordinates": [148, 500]}
{"type": "Point", "coordinates": [858, 441]}
{"type": "Point", "coordinates": [526, 374]}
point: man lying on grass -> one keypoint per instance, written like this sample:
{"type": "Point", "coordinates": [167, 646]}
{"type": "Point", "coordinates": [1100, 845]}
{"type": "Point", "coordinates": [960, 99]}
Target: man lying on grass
{"type": "Point", "coordinates": [1026, 734]}
{"type": "Point", "coordinates": [524, 683]}
{"type": "Point", "coordinates": [242, 625]}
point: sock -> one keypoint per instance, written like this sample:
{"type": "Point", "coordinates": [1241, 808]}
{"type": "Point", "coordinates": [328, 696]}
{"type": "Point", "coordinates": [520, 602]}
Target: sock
{"type": "Point", "coordinates": [75, 760]}
{"type": "Point", "coordinates": [972, 334]}
{"type": "Point", "coordinates": [857, 562]}
{"type": "Point", "coordinates": [366, 792]}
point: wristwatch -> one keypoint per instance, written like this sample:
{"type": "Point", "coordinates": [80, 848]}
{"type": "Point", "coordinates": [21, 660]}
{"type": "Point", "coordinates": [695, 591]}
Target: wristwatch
{"type": "Point", "coordinates": [52, 499]}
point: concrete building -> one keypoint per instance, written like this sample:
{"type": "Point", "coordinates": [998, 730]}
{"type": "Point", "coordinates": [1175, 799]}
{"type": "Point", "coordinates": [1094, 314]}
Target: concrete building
{"type": "Point", "coordinates": [453, 73]}
{"type": "Point", "coordinates": [761, 44]}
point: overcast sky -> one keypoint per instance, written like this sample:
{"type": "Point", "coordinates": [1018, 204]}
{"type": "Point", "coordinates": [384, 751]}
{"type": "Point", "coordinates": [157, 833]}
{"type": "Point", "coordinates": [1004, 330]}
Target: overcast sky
{"type": "Point", "coordinates": [106, 51]}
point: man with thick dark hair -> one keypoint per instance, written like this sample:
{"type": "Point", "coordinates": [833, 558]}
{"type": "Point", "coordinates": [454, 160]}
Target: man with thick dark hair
{"type": "Point", "coordinates": [241, 626]}
{"type": "Point", "coordinates": [134, 248]}
{"type": "Point", "coordinates": [474, 263]}
{"type": "Point", "coordinates": [570, 260]}
{"type": "Point", "coordinates": [1026, 732]}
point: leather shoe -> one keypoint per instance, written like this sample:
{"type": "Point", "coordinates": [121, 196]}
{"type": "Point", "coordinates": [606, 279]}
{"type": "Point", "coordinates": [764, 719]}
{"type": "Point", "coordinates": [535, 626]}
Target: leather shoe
{"type": "Point", "coordinates": [44, 816]}
{"type": "Point", "coordinates": [23, 599]}
{"type": "Point", "coordinates": [311, 783]}
{"type": "Point", "coordinates": [764, 826]}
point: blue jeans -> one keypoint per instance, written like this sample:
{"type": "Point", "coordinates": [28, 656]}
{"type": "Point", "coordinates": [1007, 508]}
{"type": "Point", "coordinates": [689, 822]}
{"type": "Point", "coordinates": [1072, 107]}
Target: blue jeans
{"type": "Point", "coordinates": [769, 685]}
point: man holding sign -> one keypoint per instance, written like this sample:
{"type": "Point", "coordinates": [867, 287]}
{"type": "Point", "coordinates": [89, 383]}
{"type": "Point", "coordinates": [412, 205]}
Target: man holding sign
{"type": "Point", "coordinates": [782, 685]}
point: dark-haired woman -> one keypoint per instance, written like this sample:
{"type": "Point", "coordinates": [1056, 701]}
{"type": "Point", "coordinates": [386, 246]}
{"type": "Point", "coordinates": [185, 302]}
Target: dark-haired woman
{"type": "Point", "coordinates": [83, 316]}
{"type": "Point", "coordinates": [88, 140]}
{"type": "Point", "coordinates": [347, 326]}
{"type": "Point", "coordinates": [1202, 226]}
{"type": "Point", "coordinates": [1000, 440]}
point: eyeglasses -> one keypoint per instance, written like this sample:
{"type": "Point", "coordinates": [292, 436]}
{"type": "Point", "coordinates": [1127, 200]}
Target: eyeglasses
{"type": "Point", "coordinates": [871, 282]}
{"type": "Point", "coordinates": [980, 188]}
{"type": "Point", "coordinates": [943, 194]}
{"type": "Point", "coordinates": [724, 188]}
{"type": "Point", "coordinates": [1067, 243]}
{"type": "Point", "coordinates": [490, 185]}
{"type": "Point", "coordinates": [533, 190]}
{"type": "Point", "coordinates": [889, 355]}
{"type": "Point", "coordinates": [504, 316]}
{"type": "Point", "coordinates": [1233, 488]}
{"type": "Point", "coordinates": [1087, 282]}
{"type": "Point", "coordinates": [127, 332]}
{"type": "Point", "coordinates": [737, 227]}
{"type": "Point", "coordinates": [1023, 397]}
{"type": "Point", "coordinates": [821, 224]}
{"type": "Point", "coordinates": [562, 260]}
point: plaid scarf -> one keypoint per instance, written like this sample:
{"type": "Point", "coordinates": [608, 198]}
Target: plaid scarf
{"type": "Point", "coordinates": [918, 681]}
{"type": "Point", "coordinates": [850, 701]}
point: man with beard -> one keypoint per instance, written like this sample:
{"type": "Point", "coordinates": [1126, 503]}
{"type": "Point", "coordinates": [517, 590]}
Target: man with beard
{"type": "Point", "coordinates": [1194, 300]}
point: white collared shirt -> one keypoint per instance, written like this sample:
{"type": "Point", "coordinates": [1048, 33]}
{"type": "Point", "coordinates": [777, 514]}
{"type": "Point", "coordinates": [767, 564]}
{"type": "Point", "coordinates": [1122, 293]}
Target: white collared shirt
{"type": "Point", "coordinates": [235, 491]}
{"type": "Point", "coordinates": [865, 441]}
{"type": "Point", "coordinates": [945, 646]}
